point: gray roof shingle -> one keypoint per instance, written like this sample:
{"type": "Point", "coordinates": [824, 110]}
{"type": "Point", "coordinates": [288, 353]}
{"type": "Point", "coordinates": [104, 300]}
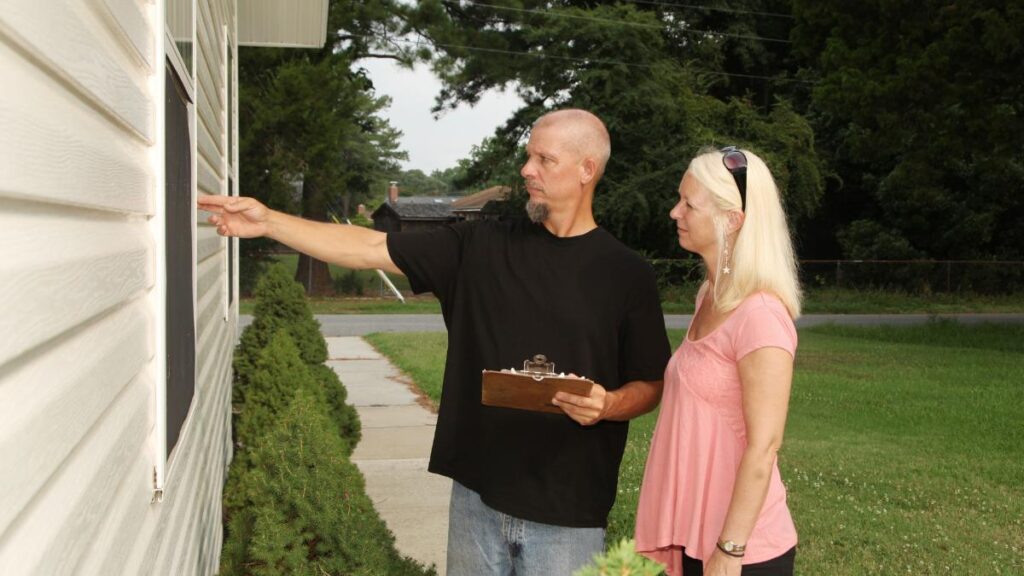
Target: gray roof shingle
{"type": "Point", "coordinates": [424, 207]}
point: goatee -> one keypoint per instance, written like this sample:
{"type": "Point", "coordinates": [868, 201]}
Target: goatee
{"type": "Point", "coordinates": [537, 211]}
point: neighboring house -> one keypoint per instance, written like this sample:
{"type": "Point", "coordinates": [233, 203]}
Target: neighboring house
{"type": "Point", "coordinates": [119, 308]}
{"type": "Point", "coordinates": [424, 212]}
{"type": "Point", "coordinates": [413, 213]}
{"type": "Point", "coordinates": [481, 204]}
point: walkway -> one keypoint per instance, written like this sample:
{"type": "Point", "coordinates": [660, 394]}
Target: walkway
{"type": "Point", "coordinates": [393, 453]}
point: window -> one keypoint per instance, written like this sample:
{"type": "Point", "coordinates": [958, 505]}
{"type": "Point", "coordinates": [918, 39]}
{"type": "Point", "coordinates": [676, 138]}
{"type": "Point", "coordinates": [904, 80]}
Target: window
{"type": "Point", "coordinates": [231, 78]}
{"type": "Point", "coordinates": [175, 225]}
{"type": "Point", "coordinates": [178, 209]}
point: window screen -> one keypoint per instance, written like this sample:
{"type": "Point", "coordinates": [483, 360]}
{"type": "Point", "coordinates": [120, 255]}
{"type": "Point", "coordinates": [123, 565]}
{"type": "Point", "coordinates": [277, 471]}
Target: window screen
{"type": "Point", "coordinates": [181, 332]}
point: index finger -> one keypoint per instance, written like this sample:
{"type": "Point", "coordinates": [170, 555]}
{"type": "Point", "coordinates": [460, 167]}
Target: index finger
{"type": "Point", "coordinates": [207, 201]}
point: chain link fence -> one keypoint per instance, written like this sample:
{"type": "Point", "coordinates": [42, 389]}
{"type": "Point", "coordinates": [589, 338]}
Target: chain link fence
{"type": "Point", "coordinates": [909, 276]}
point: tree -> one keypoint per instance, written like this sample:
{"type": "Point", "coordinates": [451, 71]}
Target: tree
{"type": "Point", "coordinates": [412, 182]}
{"type": "Point", "coordinates": [919, 109]}
{"type": "Point", "coordinates": [627, 65]}
{"type": "Point", "coordinates": [311, 134]}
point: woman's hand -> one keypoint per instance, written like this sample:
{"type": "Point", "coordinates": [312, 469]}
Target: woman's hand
{"type": "Point", "coordinates": [721, 564]}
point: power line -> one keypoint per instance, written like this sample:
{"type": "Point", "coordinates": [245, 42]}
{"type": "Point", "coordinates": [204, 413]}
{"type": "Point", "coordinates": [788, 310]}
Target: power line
{"type": "Point", "coordinates": [715, 9]}
{"type": "Point", "coordinates": [574, 59]}
{"type": "Point", "coordinates": [622, 23]}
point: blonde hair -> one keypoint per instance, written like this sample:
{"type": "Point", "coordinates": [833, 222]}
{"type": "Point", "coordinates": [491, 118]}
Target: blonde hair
{"type": "Point", "coordinates": [763, 258]}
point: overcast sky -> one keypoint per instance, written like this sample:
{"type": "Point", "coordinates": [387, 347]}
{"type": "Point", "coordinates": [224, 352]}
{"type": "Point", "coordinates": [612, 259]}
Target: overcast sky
{"type": "Point", "coordinates": [434, 144]}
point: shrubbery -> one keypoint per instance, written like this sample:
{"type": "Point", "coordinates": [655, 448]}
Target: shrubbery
{"type": "Point", "coordinates": [293, 502]}
{"type": "Point", "coordinates": [621, 559]}
{"type": "Point", "coordinates": [307, 511]}
{"type": "Point", "coordinates": [281, 306]}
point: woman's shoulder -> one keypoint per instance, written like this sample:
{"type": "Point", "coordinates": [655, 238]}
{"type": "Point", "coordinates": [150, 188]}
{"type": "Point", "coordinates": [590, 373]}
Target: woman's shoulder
{"type": "Point", "coordinates": [765, 307]}
{"type": "Point", "coordinates": [762, 320]}
{"type": "Point", "coordinates": [762, 300]}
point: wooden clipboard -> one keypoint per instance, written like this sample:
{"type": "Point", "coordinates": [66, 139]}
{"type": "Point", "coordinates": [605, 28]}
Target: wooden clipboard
{"type": "Point", "coordinates": [530, 389]}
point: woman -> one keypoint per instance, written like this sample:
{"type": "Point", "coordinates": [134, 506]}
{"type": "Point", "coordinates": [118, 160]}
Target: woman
{"type": "Point", "coordinates": [712, 501]}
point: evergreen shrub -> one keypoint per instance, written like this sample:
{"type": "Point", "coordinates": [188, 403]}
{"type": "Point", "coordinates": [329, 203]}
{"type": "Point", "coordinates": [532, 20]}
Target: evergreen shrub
{"type": "Point", "coordinates": [281, 305]}
{"type": "Point", "coordinates": [307, 511]}
{"type": "Point", "coordinates": [279, 371]}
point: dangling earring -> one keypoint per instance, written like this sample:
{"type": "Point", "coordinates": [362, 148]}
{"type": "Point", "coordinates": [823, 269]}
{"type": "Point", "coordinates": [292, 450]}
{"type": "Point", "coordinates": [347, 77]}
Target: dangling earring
{"type": "Point", "coordinates": [725, 258]}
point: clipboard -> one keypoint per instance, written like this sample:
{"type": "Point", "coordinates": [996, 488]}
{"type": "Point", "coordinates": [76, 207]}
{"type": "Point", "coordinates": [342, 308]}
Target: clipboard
{"type": "Point", "coordinates": [532, 388]}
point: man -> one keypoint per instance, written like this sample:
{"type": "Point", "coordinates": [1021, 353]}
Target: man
{"type": "Point", "coordinates": [531, 491]}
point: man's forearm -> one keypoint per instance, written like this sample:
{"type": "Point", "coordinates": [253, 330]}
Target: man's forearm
{"type": "Point", "coordinates": [348, 246]}
{"type": "Point", "coordinates": [633, 399]}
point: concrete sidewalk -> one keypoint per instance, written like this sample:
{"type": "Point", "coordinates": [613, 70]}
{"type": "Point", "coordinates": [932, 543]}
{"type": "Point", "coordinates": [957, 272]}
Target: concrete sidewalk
{"type": "Point", "coordinates": [394, 450]}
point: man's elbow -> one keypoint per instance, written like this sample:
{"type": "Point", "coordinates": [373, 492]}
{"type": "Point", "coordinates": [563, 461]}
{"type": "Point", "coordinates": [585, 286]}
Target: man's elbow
{"type": "Point", "coordinates": [657, 387]}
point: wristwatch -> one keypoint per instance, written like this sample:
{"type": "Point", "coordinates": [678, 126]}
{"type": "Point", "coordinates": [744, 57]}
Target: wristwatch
{"type": "Point", "coordinates": [731, 548]}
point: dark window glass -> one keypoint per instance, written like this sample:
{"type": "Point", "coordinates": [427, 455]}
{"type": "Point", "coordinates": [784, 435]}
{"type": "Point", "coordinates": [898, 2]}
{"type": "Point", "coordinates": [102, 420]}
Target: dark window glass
{"type": "Point", "coordinates": [231, 252]}
{"type": "Point", "coordinates": [181, 332]}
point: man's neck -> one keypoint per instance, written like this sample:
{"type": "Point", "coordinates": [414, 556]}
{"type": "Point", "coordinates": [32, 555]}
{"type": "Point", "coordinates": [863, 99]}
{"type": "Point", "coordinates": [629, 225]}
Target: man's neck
{"type": "Point", "coordinates": [575, 220]}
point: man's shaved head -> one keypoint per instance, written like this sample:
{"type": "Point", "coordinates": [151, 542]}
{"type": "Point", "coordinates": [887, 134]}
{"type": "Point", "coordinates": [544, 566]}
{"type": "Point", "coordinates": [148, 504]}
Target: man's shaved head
{"type": "Point", "coordinates": [585, 134]}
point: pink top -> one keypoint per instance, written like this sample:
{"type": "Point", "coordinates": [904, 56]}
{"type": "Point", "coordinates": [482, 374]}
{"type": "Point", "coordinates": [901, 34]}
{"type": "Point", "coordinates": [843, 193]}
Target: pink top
{"type": "Point", "coordinates": [699, 441]}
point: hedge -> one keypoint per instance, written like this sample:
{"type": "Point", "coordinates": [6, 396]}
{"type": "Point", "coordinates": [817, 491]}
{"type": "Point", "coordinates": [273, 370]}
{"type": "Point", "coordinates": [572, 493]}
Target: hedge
{"type": "Point", "coordinates": [307, 511]}
{"type": "Point", "coordinates": [281, 305]}
{"type": "Point", "coordinates": [293, 502]}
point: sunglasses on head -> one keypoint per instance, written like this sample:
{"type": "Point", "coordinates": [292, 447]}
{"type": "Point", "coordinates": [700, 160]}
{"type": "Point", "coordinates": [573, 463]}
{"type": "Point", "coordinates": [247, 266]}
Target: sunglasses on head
{"type": "Point", "coordinates": [736, 163]}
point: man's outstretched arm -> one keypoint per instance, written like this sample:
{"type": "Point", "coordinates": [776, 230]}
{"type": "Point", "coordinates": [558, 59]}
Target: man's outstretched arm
{"type": "Point", "coordinates": [348, 246]}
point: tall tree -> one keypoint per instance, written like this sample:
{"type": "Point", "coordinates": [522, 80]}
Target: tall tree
{"type": "Point", "coordinates": [311, 133]}
{"type": "Point", "coordinates": [633, 67]}
{"type": "Point", "coordinates": [919, 109]}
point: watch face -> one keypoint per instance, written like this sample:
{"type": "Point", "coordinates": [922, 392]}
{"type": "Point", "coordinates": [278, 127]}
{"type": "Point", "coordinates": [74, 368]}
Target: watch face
{"type": "Point", "coordinates": [729, 546]}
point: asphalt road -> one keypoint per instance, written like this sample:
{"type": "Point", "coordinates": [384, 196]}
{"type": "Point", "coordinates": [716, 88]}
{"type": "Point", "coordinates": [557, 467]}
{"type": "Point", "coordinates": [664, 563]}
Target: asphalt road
{"type": "Point", "coordinates": [361, 324]}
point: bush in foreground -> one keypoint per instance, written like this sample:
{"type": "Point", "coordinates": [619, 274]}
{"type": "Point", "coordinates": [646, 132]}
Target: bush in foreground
{"type": "Point", "coordinates": [621, 559]}
{"type": "Point", "coordinates": [306, 508]}
{"type": "Point", "coordinates": [282, 306]}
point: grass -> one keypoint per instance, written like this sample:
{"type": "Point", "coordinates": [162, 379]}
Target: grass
{"type": "Point", "coordinates": [904, 448]}
{"type": "Point", "coordinates": [427, 304]}
{"type": "Point", "coordinates": [676, 300]}
{"type": "Point", "coordinates": [419, 354]}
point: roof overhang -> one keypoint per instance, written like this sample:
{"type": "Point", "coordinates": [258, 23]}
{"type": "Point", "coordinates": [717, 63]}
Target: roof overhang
{"type": "Point", "coordinates": [282, 23]}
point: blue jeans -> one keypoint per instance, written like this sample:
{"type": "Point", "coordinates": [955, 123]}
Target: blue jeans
{"type": "Point", "coordinates": [485, 542]}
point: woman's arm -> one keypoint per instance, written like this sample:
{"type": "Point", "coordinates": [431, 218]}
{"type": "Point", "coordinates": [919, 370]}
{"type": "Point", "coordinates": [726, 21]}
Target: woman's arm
{"type": "Point", "coordinates": [766, 376]}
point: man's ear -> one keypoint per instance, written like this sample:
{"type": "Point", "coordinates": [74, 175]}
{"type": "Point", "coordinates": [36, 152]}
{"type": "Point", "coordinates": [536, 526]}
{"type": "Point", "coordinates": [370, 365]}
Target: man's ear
{"type": "Point", "coordinates": [588, 171]}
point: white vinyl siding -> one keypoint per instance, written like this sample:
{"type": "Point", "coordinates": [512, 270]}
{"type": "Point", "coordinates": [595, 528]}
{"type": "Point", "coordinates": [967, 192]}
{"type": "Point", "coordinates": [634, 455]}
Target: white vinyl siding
{"type": "Point", "coordinates": [78, 158]}
{"type": "Point", "coordinates": [291, 23]}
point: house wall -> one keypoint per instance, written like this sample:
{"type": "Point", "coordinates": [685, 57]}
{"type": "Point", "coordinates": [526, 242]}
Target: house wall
{"type": "Point", "coordinates": [81, 303]}
{"type": "Point", "coordinates": [385, 220]}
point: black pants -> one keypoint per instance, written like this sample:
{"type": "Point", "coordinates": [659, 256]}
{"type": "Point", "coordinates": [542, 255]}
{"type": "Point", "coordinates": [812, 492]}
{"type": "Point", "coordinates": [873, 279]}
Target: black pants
{"type": "Point", "coordinates": [778, 566]}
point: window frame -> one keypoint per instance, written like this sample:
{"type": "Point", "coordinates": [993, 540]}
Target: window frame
{"type": "Point", "coordinates": [165, 460]}
{"type": "Point", "coordinates": [230, 142]}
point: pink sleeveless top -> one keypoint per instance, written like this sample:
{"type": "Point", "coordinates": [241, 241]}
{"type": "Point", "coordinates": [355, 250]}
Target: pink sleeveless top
{"type": "Point", "coordinates": [700, 438]}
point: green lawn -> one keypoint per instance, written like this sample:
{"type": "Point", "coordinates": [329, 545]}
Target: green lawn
{"type": "Point", "coordinates": [676, 300]}
{"type": "Point", "coordinates": [904, 450]}
{"type": "Point", "coordinates": [830, 301]}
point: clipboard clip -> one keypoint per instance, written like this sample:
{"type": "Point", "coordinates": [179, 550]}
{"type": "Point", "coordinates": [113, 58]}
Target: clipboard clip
{"type": "Point", "coordinates": [538, 367]}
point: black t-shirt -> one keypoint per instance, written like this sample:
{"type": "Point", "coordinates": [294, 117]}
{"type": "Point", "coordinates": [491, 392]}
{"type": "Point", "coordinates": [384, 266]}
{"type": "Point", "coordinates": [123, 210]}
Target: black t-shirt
{"type": "Point", "coordinates": [508, 291]}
